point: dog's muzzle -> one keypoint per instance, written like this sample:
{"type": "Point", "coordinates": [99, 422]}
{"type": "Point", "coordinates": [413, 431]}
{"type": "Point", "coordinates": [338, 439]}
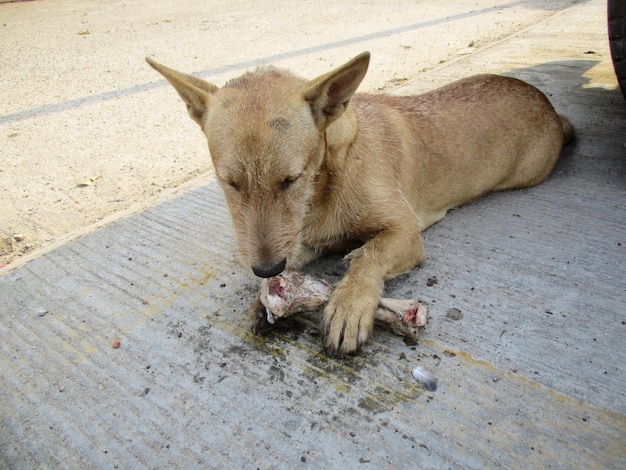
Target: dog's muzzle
{"type": "Point", "coordinates": [270, 271]}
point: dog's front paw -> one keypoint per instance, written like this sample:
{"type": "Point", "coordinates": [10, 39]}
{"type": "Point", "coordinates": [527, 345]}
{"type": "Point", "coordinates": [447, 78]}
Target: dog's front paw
{"type": "Point", "coordinates": [349, 319]}
{"type": "Point", "coordinates": [258, 318]}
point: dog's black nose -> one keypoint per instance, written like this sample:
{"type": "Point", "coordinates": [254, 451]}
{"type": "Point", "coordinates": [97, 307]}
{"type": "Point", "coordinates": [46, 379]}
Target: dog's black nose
{"type": "Point", "coordinates": [270, 271]}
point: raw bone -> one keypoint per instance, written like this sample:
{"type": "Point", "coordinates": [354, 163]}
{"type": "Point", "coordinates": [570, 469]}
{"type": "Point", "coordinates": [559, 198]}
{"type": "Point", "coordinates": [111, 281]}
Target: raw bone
{"type": "Point", "coordinates": [294, 292]}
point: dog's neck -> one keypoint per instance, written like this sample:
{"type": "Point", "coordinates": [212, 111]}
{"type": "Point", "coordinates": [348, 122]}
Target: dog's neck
{"type": "Point", "coordinates": [338, 139]}
{"type": "Point", "coordinates": [328, 220]}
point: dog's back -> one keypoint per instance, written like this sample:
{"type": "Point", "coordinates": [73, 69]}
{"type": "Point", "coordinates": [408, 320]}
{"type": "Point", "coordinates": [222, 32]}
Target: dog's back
{"type": "Point", "coordinates": [451, 145]}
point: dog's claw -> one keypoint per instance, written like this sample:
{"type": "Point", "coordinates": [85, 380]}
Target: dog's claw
{"type": "Point", "coordinates": [258, 319]}
{"type": "Point", "coordinates": [347, 329]}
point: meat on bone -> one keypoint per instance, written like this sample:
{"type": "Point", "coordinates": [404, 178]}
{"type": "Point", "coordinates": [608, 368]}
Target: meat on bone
{"type": "Point", "coordinates": [293, 292]}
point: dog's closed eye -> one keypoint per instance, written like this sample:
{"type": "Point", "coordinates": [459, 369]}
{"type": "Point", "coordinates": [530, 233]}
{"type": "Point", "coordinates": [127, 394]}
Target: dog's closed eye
{"type": "Point", "coordinates": [233, 185]}
{"type": "Point", "coordinates": [288, 182]}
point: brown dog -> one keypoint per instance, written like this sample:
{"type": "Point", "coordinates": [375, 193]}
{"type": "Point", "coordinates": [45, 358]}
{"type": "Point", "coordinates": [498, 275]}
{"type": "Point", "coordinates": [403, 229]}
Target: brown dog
{"type": "Point", "coordinates": [304, 173]}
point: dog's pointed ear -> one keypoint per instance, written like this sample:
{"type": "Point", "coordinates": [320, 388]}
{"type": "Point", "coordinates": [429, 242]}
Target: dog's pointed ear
{"type": "Point", "coordinates": [194, 91]}
{"type": "Point", "coordinates": [330, 94]}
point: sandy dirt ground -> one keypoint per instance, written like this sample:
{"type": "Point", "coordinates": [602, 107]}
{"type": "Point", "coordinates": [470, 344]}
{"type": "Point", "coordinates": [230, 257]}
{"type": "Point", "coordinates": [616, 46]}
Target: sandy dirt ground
{"type": "Point", "coordinates": [89, 133]}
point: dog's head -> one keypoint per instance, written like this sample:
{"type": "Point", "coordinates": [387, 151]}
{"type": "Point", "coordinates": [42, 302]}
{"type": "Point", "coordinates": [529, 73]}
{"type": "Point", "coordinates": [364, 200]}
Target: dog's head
{"type": "Point", "coordinates": [265, 132]}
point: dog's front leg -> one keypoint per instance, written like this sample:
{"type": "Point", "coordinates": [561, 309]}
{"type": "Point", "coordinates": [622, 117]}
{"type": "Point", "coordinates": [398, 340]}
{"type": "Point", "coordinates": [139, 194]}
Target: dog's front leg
{"type": "Point", "coordinates": [349, 315]}
{"type": "Point", "coordinates": [303, 257]}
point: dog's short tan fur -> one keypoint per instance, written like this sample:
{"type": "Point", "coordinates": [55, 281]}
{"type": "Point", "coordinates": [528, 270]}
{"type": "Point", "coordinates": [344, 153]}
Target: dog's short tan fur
{"type": "Point", "coordinates": [304, 173]}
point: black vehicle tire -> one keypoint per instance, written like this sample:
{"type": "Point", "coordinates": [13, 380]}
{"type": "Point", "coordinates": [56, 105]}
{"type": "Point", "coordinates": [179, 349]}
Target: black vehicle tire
{"type": "Point", "coordinates": [616, 12]}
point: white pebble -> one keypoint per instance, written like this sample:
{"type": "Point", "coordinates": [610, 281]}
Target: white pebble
{"type": "Point", "coordinates": [41, 311]}
{"type": "Point", "coordinates": [425, 378]}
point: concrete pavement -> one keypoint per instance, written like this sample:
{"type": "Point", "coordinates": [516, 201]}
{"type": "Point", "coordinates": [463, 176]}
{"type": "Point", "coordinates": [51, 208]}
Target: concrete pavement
{"type": "Point", "coordinates": [525, 336]}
